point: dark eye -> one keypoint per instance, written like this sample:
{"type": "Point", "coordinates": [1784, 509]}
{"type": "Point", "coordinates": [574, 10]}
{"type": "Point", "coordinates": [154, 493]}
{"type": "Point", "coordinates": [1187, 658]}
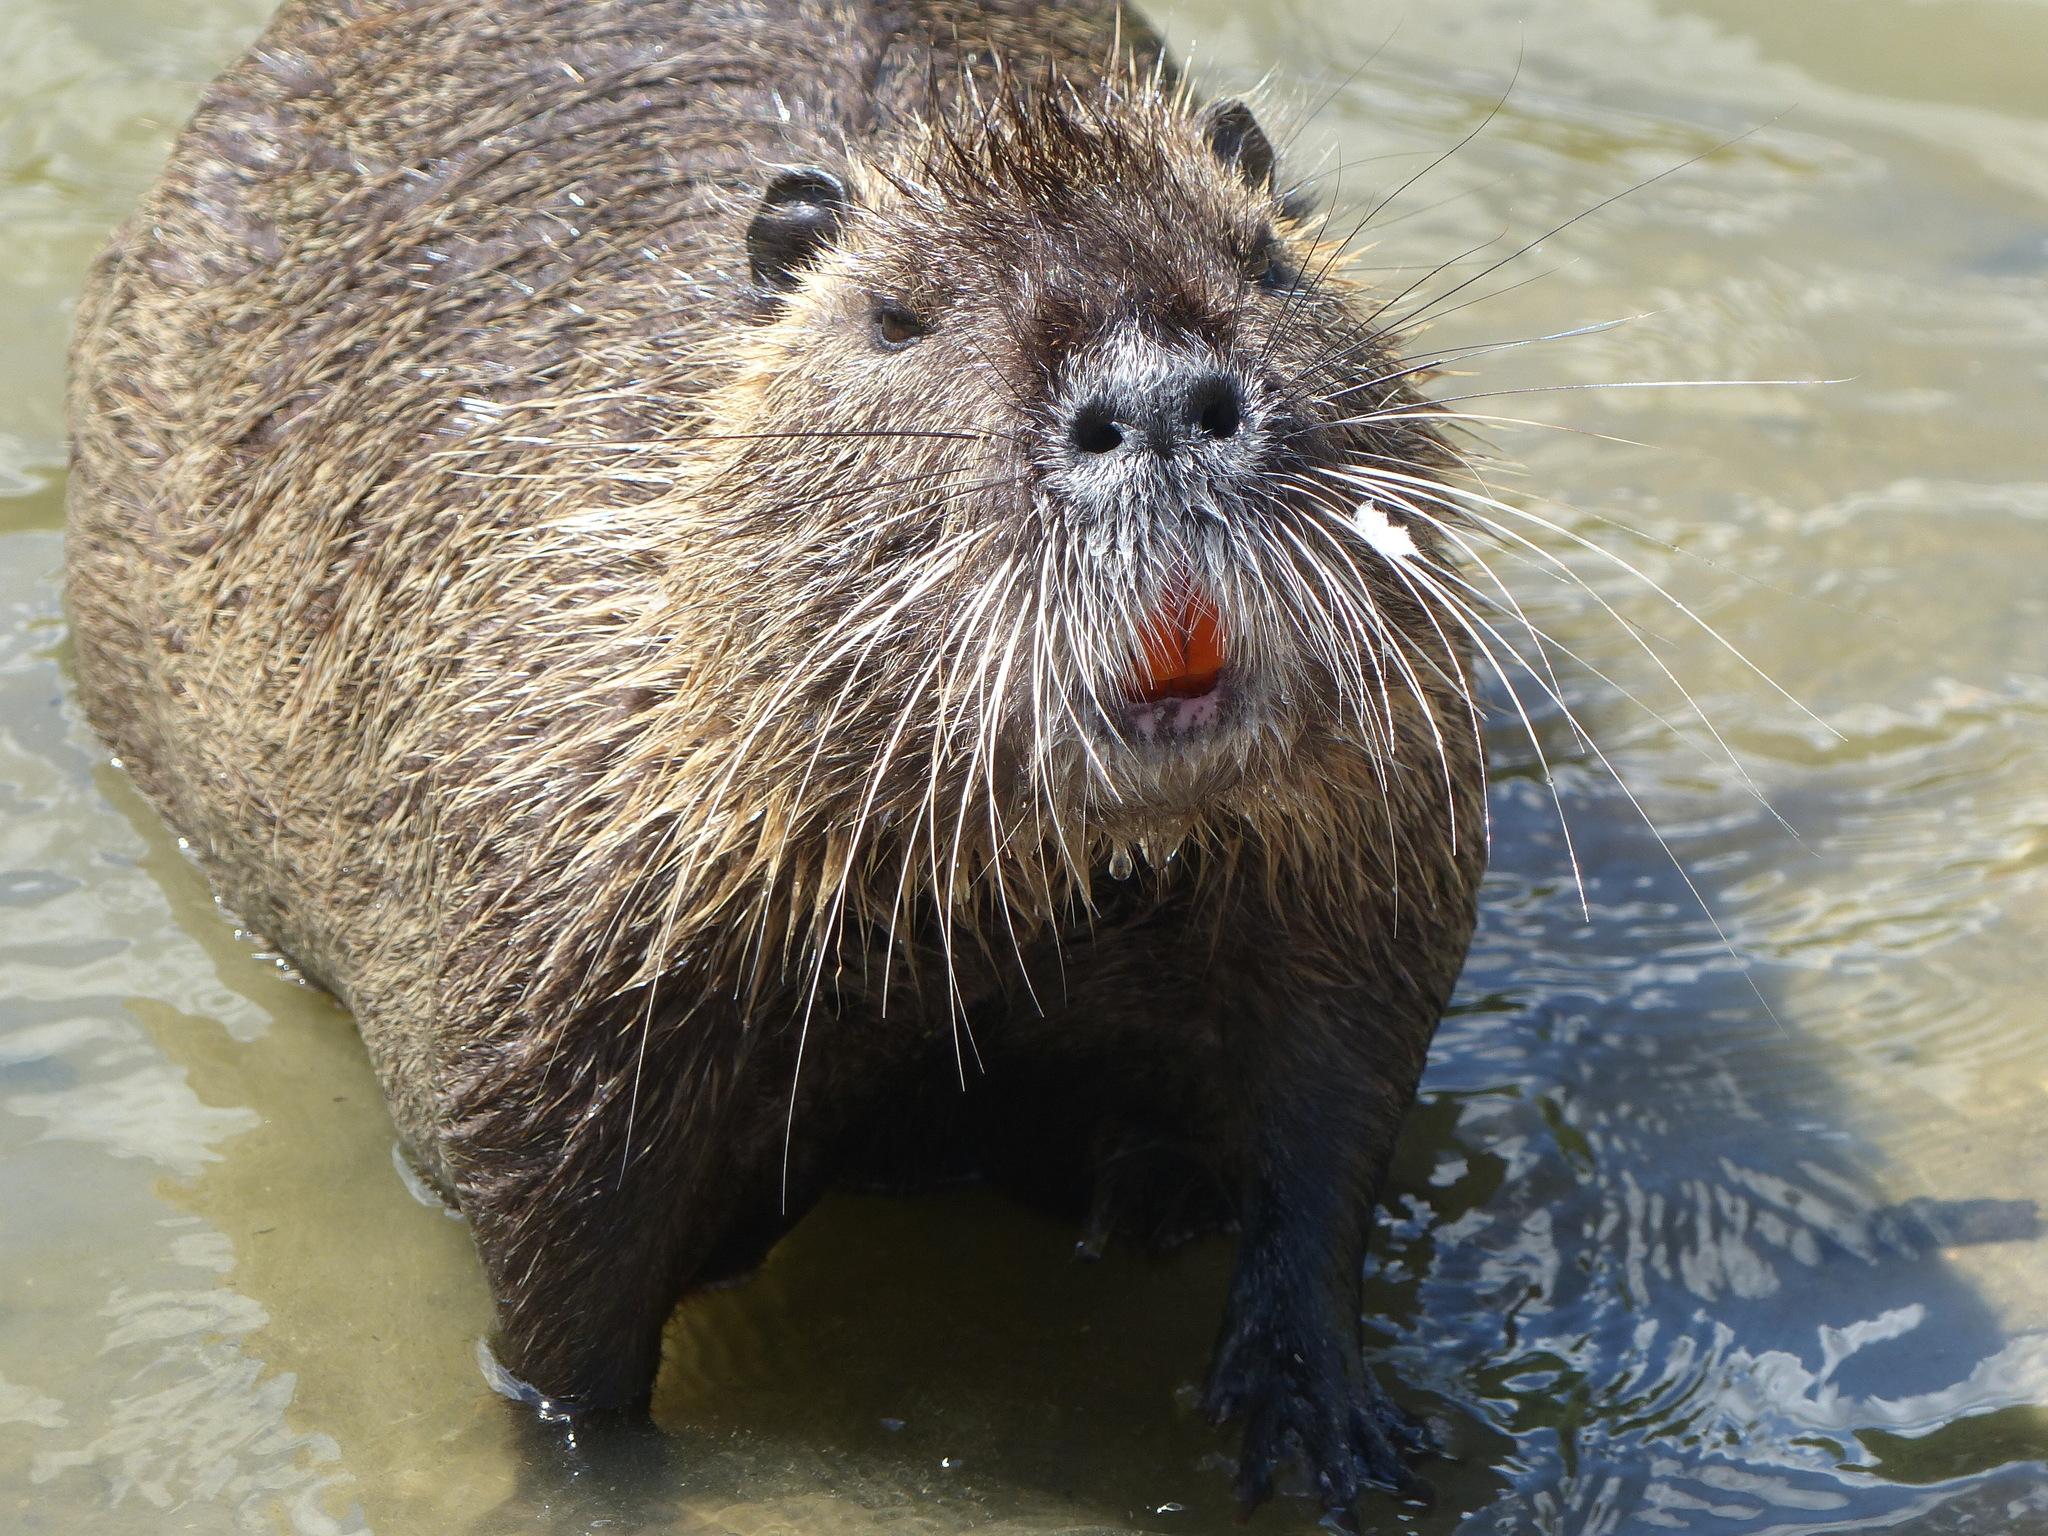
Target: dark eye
{"type": "Point", "coordinates": [1270, 268]}
{"type": "Point", "coordinates": [897, 327]}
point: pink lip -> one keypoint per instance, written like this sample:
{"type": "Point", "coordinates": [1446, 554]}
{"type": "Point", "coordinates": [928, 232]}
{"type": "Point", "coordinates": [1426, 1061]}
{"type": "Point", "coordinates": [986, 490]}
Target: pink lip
{"type": "Point", "coordinates": [1174, 715]}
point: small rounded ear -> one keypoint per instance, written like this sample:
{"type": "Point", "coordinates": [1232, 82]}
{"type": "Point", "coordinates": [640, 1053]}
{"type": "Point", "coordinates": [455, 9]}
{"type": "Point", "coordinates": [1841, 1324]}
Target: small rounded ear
{"type": "Point", "coordinates": [1235, 136]}
{"type": "Point", "coordinates": [798, 218]}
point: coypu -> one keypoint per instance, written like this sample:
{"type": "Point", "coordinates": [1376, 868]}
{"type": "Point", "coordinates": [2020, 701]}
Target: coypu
{"type": "Point", "coordinates": [782, 592]}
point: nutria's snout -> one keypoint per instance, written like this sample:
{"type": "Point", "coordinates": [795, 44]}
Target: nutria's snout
{"type": "Point", "coordinates": [1142, 419]}
{"type": "Point", "coordinates": [1176, 411]}
{"type": "Point", "coordinates": [1155, 447]}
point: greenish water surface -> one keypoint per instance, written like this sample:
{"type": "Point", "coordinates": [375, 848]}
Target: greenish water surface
{"type": "Point", "coordinates": [1675, 1243]}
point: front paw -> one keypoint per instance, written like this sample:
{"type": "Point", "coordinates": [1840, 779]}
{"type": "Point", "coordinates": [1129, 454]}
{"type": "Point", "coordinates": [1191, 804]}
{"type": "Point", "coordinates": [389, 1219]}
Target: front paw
{"type": "Point", "coordinates": [1305, 1398]}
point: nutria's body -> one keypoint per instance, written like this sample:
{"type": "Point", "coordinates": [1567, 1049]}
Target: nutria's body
{"type": "Point", "coordinates": [624, 534]}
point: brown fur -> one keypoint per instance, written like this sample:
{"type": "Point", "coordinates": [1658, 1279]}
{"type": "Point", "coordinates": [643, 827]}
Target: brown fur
{"type": "Point", "coordinates": [670, 724]}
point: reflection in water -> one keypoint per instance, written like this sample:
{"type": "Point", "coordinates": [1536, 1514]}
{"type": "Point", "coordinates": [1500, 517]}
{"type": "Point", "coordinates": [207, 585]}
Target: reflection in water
{"type": "Point", "coordinates": [1675, 1243]}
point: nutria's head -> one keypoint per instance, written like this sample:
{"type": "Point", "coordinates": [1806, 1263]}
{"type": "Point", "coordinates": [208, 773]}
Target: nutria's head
{"type": "Point", "coordinates": [1035, 503]}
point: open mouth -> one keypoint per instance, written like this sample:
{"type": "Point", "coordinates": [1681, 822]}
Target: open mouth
{"type": "Point", "coordinates": [1177, 691]}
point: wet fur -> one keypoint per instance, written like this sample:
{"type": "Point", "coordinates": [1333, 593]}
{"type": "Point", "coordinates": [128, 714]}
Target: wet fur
{"type": "Point", "coordinates": [686, 737]}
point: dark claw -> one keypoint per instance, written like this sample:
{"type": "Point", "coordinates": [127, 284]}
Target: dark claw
{"type": "Point", "coordinates": [1264, 1448]}
{"type": "Point", "coordinates": [1304, 1405]}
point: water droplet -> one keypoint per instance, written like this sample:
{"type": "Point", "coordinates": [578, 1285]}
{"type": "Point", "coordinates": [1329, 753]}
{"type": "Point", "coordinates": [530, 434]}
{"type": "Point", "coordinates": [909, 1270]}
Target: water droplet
{"type": "Point", "coordinates": [1120, 864]}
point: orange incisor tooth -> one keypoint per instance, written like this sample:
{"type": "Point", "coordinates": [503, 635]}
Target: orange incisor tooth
{"type": "Point", "coordinates": [1183, 648]}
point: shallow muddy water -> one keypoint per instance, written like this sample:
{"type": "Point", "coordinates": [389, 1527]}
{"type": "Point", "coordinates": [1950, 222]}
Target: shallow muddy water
{"type": "Point", "coordinates": [1687, 1234]}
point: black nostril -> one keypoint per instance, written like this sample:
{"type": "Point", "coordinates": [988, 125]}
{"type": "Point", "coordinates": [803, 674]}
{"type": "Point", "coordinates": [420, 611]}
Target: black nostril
{"type": "Point", "coordinates": [1214, 407]}
{"type": "Point", "coordinates": [1094, 430]}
